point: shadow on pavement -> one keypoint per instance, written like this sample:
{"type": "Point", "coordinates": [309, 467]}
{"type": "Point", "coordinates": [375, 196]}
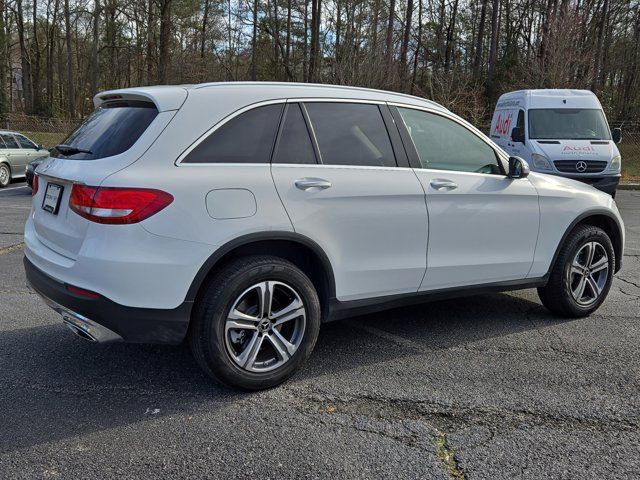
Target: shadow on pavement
{"type": "Point", "coordinates": [57, 386]}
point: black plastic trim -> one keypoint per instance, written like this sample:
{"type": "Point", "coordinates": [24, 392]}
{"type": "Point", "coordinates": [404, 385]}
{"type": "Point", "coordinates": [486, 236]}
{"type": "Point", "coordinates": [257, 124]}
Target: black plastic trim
{"type": "Point", "coordinates": [134, 325]}
{"type": "Point", "coordinates": [211, 262]}
{"type": "Point", "coordinates": [339, 310]}
{"type": "Point", "coordinates": [592, 213]}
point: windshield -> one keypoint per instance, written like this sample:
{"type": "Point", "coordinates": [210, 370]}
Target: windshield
{"type": "Point", "coordinates": [111, 129]}
{"type": "Point", "coordinates": [568, 124]}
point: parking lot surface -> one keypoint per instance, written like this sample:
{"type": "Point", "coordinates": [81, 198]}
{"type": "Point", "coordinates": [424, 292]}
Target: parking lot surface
{"type": "Point", "coordinates": [489, 386]}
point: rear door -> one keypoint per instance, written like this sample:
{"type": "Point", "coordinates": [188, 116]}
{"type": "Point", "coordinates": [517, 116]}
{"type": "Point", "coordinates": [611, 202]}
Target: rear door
{"type": "Point", "coordinates": [30, 149]}
{"type": "Point", "coordinates": [16, 156]}
{"type": "Point", "coordinates": [483, 226]}
{"type": "Point", "coordinates": [336, 170]}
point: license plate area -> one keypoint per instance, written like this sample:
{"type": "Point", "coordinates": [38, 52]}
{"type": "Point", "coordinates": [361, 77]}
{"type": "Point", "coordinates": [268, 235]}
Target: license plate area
{"type": "Point", "coordinates": [52, 197]}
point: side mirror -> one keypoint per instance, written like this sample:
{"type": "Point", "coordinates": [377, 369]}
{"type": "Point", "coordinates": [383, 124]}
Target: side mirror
{"type": "Point", "coordinates": [518, 168]}
{"type": "Point", "coordinates": [39, 146]}
{"type": "Point", "coordinates": [517, 135]}
{"type": "Point", "coordinates": [616, 134]}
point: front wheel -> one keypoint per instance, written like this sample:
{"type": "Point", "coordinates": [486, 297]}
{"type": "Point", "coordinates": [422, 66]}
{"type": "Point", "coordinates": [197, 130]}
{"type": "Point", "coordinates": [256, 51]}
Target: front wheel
{"type": "Point", "coordinates": [582, 274]}
{"type": "Point", "coordinates": [256, 323]}
{"type": "Point", "coordinates": [5, 175]}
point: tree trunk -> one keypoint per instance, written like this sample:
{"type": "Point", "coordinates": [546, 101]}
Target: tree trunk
{"type": "Point", "coordinates": [165, 41]}
{"type": "Point", "coordinates": [405, 42]}
{"type": "Point", "coordinates": [493, 50]}
{"type": "Point", "coordinates": [389, 46]}
{"type": "Point", "coordinates": [599, 54]}
{"type": "Point", "coordinates": [254, 41]}
{"type": "Point", "coordinates": [151, 22]}
{"type": "Point", "coordinates": [205, 19]}
{"type": "Point", "coordinates": [94, 47]}
{"type": "Point", "coordinates": [70, 80]}
{"type": "Point", "coordinates": [477, 61]}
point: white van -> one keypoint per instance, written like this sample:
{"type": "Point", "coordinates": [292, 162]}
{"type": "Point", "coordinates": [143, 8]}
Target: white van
{"type": "Point", "coordinates": [561, 132]}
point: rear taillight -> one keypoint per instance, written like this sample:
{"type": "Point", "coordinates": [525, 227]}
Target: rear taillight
{"type": "Point", "coordinates": [34, 189]}
{"type": "Point", "coordinates": [116, 205]}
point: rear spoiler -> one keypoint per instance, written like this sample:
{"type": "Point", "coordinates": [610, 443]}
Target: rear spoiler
{"type": "Point", "coordinates": [165, 98]}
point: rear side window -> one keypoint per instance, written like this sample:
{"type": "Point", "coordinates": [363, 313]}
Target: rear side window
{"type": "Point", "coordinates": [111, 129]}
{"type": "Point", "coordinates": [351, 134]}
{"type": "Point", "coordinates": [247, 138]}
{"type": "Point", "coordinates": [9, 140]}
{"type": "Point", "coordinates": [26, 143]}
{"type": "Point", "coordinates": [294, 144]}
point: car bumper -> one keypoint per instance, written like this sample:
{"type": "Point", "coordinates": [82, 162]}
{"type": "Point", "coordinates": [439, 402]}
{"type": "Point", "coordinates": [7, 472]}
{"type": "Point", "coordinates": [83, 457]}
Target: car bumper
{"type": "Point", "coordinates": [102, 320]}
{"type": "Point", "coordinates": [604, 184]}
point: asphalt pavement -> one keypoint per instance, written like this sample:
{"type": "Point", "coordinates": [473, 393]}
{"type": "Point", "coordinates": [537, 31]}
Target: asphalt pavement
{"type": "Point", "coordinates": [490, 386]}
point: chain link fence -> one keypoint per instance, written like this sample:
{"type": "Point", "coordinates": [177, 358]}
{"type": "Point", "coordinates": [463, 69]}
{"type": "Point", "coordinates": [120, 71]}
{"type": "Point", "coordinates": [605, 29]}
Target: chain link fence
{"type": "Point", "coordinates": [51, 131]}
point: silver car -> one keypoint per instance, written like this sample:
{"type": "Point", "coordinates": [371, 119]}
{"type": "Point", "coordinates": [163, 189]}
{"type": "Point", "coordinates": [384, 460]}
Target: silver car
{"type": "Point", "coordinates": [16, 151]}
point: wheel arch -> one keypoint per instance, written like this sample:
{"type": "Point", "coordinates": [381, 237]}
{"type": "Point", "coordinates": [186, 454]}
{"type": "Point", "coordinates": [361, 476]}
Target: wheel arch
{"type": "Point", "coordinates": [598, 218]}
{"type": "Point", "coordinates": [296, 248]}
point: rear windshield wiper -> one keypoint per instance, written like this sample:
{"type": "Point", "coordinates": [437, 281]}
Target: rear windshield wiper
{"type": "Point", "coordinates": [70, 150]}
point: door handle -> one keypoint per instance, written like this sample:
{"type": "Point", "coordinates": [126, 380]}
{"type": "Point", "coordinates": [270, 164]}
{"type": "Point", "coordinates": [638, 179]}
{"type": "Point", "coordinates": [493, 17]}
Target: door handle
{"type": "Point", "coordinates": [443, 184]}
{"type": "Point", "coordinates": [313, 184]}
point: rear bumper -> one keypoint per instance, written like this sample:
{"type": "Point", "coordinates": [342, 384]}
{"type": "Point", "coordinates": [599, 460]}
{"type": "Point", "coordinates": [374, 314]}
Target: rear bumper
{"type": "Point", "coordinates": [103, 320]}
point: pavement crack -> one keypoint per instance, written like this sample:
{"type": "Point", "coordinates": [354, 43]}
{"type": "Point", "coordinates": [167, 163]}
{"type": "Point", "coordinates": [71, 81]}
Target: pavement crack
{"type": "Point", "coordinates": [11, 248]}
{"type": "Point", "coordinates": [444, 416]}
{"type": "Point", "coordinates": [629, 282]}
{"type": "Point", "coordinates": [447, 456]}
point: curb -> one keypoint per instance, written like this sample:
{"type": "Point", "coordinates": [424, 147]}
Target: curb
{"type": "Point", "coordinates": [629, 186]}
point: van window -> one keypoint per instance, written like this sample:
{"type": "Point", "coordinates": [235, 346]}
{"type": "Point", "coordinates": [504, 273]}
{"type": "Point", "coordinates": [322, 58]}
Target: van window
{"type": "Point", "coordinates": [294, 144]}
{"type": "Point", "coordinates": [351, 134]}
{"type": "Point", "coordinates": [111, 129]}
{"type": "Point", "coordinates": [246, 138]}
{"type": "Point", "coordinates": [568, 124]}
{"type": "Point", "coordinates": [520, 122]}
{"type": "Point", "coordinates": [443, 144]}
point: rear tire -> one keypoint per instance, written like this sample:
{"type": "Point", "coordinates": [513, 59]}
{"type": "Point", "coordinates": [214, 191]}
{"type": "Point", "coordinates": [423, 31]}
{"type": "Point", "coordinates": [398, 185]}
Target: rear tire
{"type": "Point", "coordinates": [582, 274]}
{"type": "Point", "coordinates": [256, 323]}
{"type": "Point", "coordinates": [5, 175]}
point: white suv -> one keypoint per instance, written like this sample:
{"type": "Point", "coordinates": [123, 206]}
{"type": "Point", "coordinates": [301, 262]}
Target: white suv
{"type": "Point", "coordinates": [240, 216]}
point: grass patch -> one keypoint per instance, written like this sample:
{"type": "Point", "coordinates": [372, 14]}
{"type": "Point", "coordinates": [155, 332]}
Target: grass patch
{"type": "Point", "coordinates": [46, 139]}
{"type": "Point", "coordinates": [447, 456]}
{"type": "Point", "coordinates": [630, 161]}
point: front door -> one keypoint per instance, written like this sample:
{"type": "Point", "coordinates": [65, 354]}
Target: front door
{"type": "Point", "coordinates": [342, 188]}
{"type": "Point", "coordinates": [483, 226]}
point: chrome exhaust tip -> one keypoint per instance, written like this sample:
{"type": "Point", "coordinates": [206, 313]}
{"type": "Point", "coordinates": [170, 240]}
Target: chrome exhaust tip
{"type": "Point", "coordinates": [79, 332]}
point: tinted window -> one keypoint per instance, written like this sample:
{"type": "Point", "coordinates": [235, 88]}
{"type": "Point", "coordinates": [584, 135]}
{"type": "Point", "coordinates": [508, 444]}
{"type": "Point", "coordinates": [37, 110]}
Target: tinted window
{"type": "Point", "coordinates": [110, 130]}
{"type": "Point", "coordinates": [247, 138]}
{"type": "Point", "coordinates": [294, 144]}
{"type": "Point", "coordinates": [25, 142]}
{"type": "Point", "coordinates": [9, 140]}
{"type": "Point", "coordinates": [446, 145]}
{"type": "Point", "coordinates": [351, 134]}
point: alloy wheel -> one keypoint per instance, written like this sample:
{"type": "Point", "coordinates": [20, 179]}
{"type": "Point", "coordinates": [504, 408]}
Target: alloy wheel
{"type": "Point", "coordinates": [588, 273]}
{"type": "Point", "coordinates": [4, 175]}
{"type": "Point", "coordinates": [265, 326]}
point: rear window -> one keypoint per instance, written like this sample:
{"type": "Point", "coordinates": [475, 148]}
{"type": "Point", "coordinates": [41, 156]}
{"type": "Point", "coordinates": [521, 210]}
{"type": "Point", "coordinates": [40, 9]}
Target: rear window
{"type": "Point", "coordinates": [111, 129]}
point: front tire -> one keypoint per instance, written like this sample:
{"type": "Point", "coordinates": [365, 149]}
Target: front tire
{"type": "Point", "coordinates": [5, 175]}
{"type": "Point", "coordinates": [582, 274]}
{"type": "Point", "coordinates": [256, 323]}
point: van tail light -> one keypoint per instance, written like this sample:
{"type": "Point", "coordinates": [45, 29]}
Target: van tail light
{"type": "Point", "coordinates": [34, 188]}
{"type": "Point", "coordinates": [116, 205]}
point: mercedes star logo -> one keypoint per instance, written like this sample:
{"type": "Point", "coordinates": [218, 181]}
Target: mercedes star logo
{"type": "Point", "coordinates": [581, 166]}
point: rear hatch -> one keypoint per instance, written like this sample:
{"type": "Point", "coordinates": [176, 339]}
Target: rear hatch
{"type": "Point", "coordinates": [116, 134]}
